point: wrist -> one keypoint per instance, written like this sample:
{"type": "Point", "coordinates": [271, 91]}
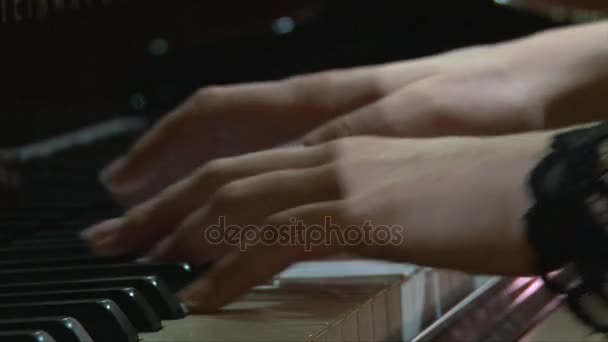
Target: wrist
{"type": "Point", "coordinates": [561, 74]}
{"type": "Point", "coordinates": [573, 85]}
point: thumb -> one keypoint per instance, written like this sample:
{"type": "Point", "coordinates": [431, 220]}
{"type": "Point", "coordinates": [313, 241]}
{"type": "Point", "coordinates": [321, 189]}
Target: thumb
{"type": "Point", "coordinates": [219, 286]}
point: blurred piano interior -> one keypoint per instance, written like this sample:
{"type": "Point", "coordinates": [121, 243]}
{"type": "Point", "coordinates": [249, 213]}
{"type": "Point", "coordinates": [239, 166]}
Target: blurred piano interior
{"type": "Point", "coordinates": [80, 80]}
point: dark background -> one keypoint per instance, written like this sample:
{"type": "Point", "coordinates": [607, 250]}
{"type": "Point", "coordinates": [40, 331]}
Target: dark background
{"type": "Point", "coordinates": [87, 66]}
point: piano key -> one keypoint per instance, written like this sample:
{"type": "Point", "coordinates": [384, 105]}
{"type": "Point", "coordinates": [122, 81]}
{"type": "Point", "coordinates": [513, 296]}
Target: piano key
{"type": "Point", "coordinates": [26, 336]}
{"type": "Point", "coordinates": [131, 302]}
{"type": "Point", "coordinates": [53, 234]}
{"type": "Point", "coordinates": [63, 329]}
{"type": "Point", "coordinates": [154, 290]}
{"type": "Point", "coordinates": [65, 225]}
{"type": "Point", "coordinates": [39, 243]}
{"type": "Point", "coordinates": [177, 276]}
{"type": "Point", "coordinates": [103, 319]}
{"type": "Point", "coordinates": [60, 262]}
{"type": "Point", "coordinates": [16, 253]}
{"type": "Point", "coordinates": [16, 229]}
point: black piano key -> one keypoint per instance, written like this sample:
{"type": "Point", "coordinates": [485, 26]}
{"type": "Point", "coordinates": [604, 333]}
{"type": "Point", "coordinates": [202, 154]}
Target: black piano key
{"type": "Point", "coordinates": [26, 336]}
{"type": "Point", "coordinates": [16, 253]}
{"type": "Point", "coordinates": [18, 226]}
{"type": "Point", "coordinates": [65, 225]}
{"type": "Point", "coordinates": [41, 243]}
{"type": "Point", "coordinates": [63, 329]}
{"type": "Point", "coordinates": [131, 302]}
{"type": "Point", "coordinates": [4, 239]}
{"type": "Point", "coordinates": [53, 234]}
{"type": "Point", "coordinates": [177, 276]}
{"type": "Point", "coordinates": [60, 262]}
{"type": "Point", "coordinates": [154, 289]}
{"type": "Point", "coordinates": [10, 232]}
{"type": "Point", "coordinates": [102, 319]}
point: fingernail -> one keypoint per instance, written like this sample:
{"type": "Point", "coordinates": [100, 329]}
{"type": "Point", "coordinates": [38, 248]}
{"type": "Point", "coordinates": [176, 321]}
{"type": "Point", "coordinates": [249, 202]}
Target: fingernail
{"type": "Point", "coordinates": [199, 298]}
{"type": "Point", "coordinates": [162, 249]}
{"type": "Point", "coordinates": [144, 260]}
{"type": "Point", "coordinates": [102, 230]}
{"type": "Point", "coordinates": [113, 170]}
{"type": "Point", "coordinates": [108, 247]}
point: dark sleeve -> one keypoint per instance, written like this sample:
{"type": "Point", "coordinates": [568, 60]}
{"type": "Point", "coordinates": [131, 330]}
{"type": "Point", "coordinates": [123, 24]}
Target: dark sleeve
{"type": "Point", "coordinates": [568, 223]}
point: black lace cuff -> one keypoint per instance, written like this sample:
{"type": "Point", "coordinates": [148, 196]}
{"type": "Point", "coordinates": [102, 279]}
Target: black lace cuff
{"type": "Point", "coordinates": [568, 224]}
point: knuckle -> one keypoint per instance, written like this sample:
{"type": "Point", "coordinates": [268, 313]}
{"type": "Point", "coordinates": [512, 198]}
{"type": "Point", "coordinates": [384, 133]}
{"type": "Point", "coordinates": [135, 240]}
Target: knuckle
{"type": "Point", "coordinates": [137, 217]}
{"type": "Point", "coordinates": [180, 121]}
{"type": "Point", "coordinates": [351, 210]}
{"type": "Point", "coordinates": [207, 94]}
{"type": "Point", "coordinates": [229, 195]}
{"type": "Point", "coordinates": [327, 79]}
{"type": "Point", "coordinates": [335, 148]}
{"type": "Point", "coordinates": [313, 82]}
{"type": "Point", "coordinates": [339, 144]}
{"type": "Point", "coordinates": [277, 219]}
{"type": "Point", "coordinates": [425, 98]}
{"type": "Point", "coordinates": [343, 127]}
{"type": "Point", "coordinates": [438, 112]}
{"type": "Point", "coordinates": [345, 209]}
{"type": "Point", "coordinates": [443, 114]}
{"type": "Point", "coordinates": [345, 146]}
{"type": "Point", "coordinates": [207, 98]}
{"type": "Point", "coordinates": [315, 87]}
{"type": "Point", "coordinates": [386, 119]}
{"type": "Point", "coordinates": [214, 169]}
{"type": "Point", "coordinates": [166, 249]}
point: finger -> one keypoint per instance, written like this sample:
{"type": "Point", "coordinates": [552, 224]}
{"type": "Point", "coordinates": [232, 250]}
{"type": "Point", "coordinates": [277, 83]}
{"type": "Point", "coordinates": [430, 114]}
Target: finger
{"type": "Point", "coordinates": [244, 205]}
{"type": "Point", "coordinates": [254, 266]}
{"type": "Point", "coordinates": [217, 122]}
{"type": "Point", "coordinates": [145, 224]}
{"type": "Point", "coordinates": [221, 116]}
{"type": "Point", "coordinates": [233, 275]}
{"type": "Point", "coordinates": [413, 111]}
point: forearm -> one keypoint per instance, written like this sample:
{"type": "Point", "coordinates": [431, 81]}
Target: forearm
{"type": "Point", "coordinates": [569, 78]}
{"type": "Point", "coordinates": [583, 100]}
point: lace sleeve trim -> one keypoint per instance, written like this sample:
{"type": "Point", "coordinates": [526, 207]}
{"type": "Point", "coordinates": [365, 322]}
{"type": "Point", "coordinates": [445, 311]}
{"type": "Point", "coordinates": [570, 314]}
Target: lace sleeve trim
{"type": "Point", "coordinates": [568, 224]}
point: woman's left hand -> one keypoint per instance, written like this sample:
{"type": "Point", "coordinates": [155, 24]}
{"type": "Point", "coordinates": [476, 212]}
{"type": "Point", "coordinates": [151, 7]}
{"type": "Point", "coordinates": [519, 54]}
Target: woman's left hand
{"type": "Point", "coordinates": [446, 202]}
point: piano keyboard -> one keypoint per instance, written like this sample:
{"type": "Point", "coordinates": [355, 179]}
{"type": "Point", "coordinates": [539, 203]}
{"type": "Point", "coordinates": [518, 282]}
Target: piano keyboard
{"type": "Point", "coordinates": [347, 309]}
{"type": "Point", "coordinates": [54, 289]}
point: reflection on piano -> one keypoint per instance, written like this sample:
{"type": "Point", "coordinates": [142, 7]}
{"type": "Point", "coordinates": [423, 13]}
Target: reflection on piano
{"type": "Point", "coordinates": [9, 179]}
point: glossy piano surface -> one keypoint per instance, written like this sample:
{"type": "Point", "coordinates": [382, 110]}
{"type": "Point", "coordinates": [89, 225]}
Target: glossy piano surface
{"type": "Point", "coordinates": [80, 62]}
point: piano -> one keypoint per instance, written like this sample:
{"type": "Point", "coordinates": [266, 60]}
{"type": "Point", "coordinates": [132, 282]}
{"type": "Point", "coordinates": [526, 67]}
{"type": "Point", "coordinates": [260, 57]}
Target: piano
{"type": "Point", "coordinates": [81, 80]}
{"type": "Point", "coordinates": [52, 284]}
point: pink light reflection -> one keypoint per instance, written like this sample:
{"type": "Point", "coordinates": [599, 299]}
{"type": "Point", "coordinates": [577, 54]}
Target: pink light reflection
{"type": "Point", "coordinates": [533, 287]}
